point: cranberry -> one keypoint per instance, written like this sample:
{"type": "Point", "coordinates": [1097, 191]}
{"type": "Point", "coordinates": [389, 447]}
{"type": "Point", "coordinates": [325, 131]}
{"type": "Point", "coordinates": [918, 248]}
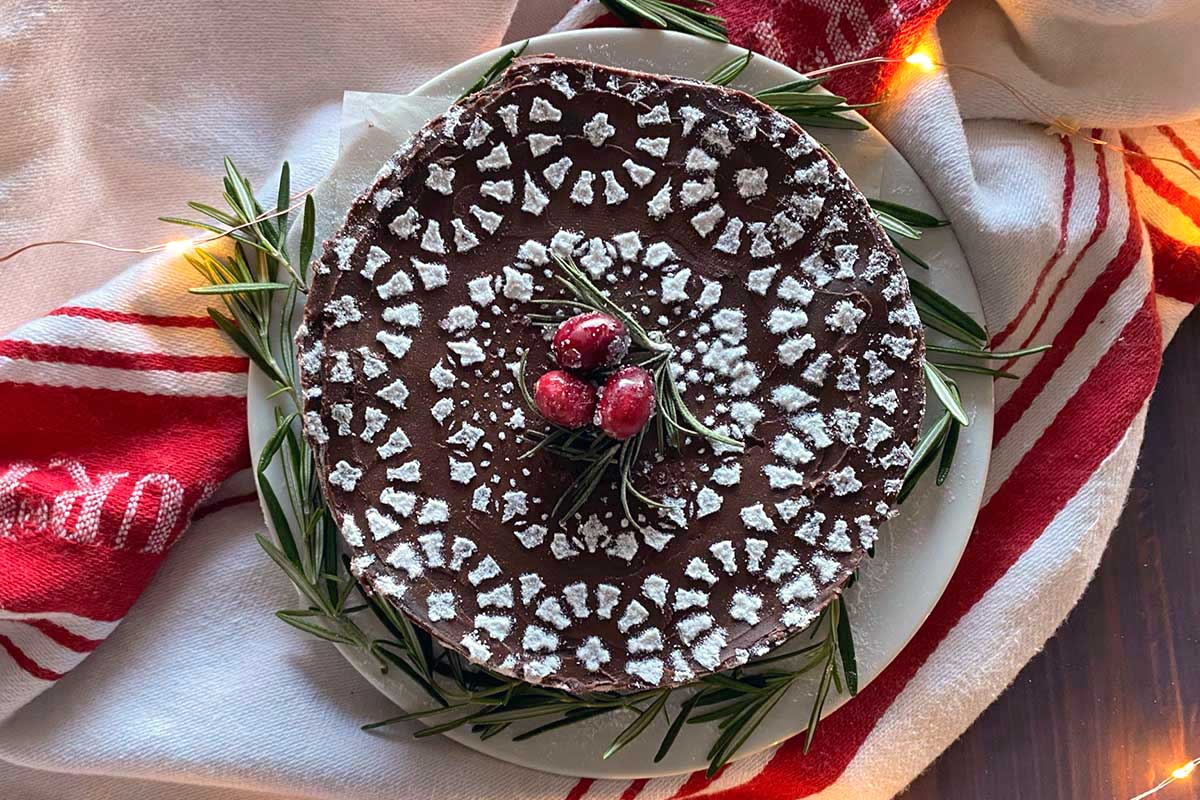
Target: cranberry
{"type": "Point", "coordinates": [564, 399]}
{"type": "Point", "coordinates": [589, 341]}
{"type": "Point", "coordinates": [626, 402]}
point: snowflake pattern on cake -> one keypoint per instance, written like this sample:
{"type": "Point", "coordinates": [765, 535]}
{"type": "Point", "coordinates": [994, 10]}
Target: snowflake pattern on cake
{"type": "Point", "coordinates": [714, 220]}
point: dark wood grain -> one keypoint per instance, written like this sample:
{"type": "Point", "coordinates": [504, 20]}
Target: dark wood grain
{"type": "Point", "coordinates": [1113, 702]}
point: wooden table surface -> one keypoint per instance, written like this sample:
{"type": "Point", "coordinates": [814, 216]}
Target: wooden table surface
{"type": "Point", "coordinates": [1113, 702]}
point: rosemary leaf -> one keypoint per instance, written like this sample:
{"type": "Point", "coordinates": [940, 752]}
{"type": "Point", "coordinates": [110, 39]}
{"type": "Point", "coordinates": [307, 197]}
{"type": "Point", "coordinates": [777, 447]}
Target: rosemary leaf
{"type": "Point", "coordinates": [282, 201]}
{"type": "Point", "coordinates": [404, 630]}
{"type": "Point", "coordinates": [488, 731]}
{"type": "Point", "coordinates": [524, 385]}
{"type": "Point", "coordinates": [801, 85]}
{"type": "Point", "coordinates": [680, 408]}
{"type": "Point", "coordinates": [518, 714]}
{"type": "Point", "coordinates": [728, 72]}
{"type": "Point", "coordinates": [907, 214]}
{"type": "Point", "coordinates": [499, 65]}
{"type": "Point", "coordinates": [896, 227]}
{"type": "Point", "coordinates": [913, 257]}
{"type": "Point", "coordinates": [819, 703]}
{"type": "Point", "coordinates": [671, 16]}
{"type": "Point", "coordinates": [948, 310]}
{"type": "Point", "coordinates": [792, 101]}
{"type": "Point", "coordinates": [640, 724]}
{"type": "Point", "coordinates": [307, 234]}
{"type": "Point", "coordinates": [569, 719]}
{"type": "Point", "coordinates": [932, 319]}
{"type": "Point", "coordinates": [676, 726]}
{"type": "Point", "coordinates": [716, 697]}
{"type": "Point", "coordinates": [727, 682]}
{"type": "Point", "coordinates": [744, 727]}
{"type": "Point", "coordinates": [412, 674]}
{"type": "Point", "coordinates": [420, 713]}
{"type": "Point", "coordinates": [209, 211]}
{"type": "Point", "coordinates": [279, 520]}
{"type": "Point", "coordinates": [948, 450]}
{"type": "Point", "coordinates": [320, 631]}
{"type": "Point", "coordinates": [242, 197]}
{"type": "Point", "coordinates": [292, 570]}
{"type": "Point", "coordinates": [845, 646]}
{"type": "Point", "coordinates": [736, 703]}
{"type": "Point", "coordinates": [436, 730]}
{"type": "Point", "coordinates": [585, 484]}
{"type": "Point", "coordinates": [946, 392]}
{"type": "Point", "coordinates": [923, 454]}
{"type": "Point", "coordinates": [243, 342]}
{"type": "Point", "coordinates": [829, 118]}
{"type": "Point", "coordinates": [975, 370]}
{"type": "Point", "coordinates": [991, 355]}
{"type": "Point", "coordinates": [238, 288]}
{"type": "Point", "coordinates": [204, 226]}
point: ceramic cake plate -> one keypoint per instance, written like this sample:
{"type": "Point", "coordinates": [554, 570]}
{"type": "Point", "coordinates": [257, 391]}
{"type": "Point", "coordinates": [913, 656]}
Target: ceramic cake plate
{"type": "Point", "coordinates": [917, 551]}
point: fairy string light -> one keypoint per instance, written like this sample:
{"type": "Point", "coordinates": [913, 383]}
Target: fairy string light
{"type": "Point", "coordinates": [1180, 774]}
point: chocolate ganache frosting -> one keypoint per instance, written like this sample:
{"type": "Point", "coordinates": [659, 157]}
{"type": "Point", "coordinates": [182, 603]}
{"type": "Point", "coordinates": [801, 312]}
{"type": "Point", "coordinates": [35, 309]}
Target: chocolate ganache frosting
{"type": "Point", "coordinates": [718, 224]}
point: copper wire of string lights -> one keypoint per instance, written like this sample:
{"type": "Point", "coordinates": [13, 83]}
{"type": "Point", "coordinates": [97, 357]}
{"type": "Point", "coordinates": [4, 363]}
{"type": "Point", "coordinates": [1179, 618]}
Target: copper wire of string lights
{"type": "Point", "coordinates": [175, 247]}
{"type": "Point", "coordinates": [922, 60]}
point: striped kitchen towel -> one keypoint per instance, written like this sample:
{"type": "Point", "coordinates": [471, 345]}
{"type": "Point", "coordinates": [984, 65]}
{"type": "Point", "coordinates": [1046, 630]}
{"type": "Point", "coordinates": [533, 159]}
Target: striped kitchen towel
{"type": "Point", "coordinates": [124, 413]}
{"type": "Point", "coordinates": [129, 414]}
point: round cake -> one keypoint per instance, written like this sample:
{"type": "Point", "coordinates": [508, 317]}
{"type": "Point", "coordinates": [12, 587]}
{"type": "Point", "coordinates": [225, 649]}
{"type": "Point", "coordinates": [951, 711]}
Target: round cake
{"type": "Point", "coordinates": [774, 304]}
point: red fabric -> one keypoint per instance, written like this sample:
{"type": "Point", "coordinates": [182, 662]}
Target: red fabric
{"type": "Point", "coordinates": [810, 35]}
{"type": "Point", "coordinates": [86, 516]}
{"type": "Point", "coordinates": [97, 483]}
{"type": "Point", "coordinates": [1068, 196]}
{"type": "Point", "coordinates": [1176, 267]}
{"type": "Point", "coordinates": [1118, 269]}
{"type": "Point", "coordinates": [1103, 206]}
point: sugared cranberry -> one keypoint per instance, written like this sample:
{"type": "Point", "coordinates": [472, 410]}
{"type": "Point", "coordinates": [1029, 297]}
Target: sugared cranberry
{"type": "Point", "coordinates": [626, 402]}
{"type": "Point", "coordinates": [589, 341]}
{"type": "Point", "coordinates": [564, 399]}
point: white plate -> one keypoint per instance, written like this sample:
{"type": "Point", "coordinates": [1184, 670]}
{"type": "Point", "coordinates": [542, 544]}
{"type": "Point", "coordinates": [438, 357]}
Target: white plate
{"type": "Point", "coordinates": [917, 552]}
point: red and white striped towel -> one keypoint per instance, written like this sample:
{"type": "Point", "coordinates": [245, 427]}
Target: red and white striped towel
{"type": "Point", "coordinates": [124, 413]}
{"type": "Point", "coordinates": [128, 414]}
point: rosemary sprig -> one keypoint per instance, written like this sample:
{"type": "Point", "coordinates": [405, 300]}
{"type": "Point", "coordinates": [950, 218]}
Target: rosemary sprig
{"type": "Point", "coordinates": [797, 101]}
{"type": "Point", "coordinates": [940, 442]}
{"type": "Point", "coordinates": [671, 16]}
{"type": "Point", "coordinates": [653, 344]}
{"type": "Point", "coordinates": [247, 277]}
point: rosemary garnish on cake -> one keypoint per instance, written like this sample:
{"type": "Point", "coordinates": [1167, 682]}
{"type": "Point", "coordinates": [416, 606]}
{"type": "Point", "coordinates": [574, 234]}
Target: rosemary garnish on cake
{"type": "Point", "coordinates": [648, 352]}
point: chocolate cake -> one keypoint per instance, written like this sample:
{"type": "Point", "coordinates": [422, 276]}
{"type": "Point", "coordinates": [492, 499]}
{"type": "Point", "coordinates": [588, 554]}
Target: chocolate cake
{"type": "Point", "coordinates": [720, 226]}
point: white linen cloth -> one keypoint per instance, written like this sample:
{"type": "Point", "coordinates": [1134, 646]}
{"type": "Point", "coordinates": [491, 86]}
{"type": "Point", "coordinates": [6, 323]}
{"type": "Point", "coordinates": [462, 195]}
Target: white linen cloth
{"type": "Point", "coordinates": [116, 113]}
